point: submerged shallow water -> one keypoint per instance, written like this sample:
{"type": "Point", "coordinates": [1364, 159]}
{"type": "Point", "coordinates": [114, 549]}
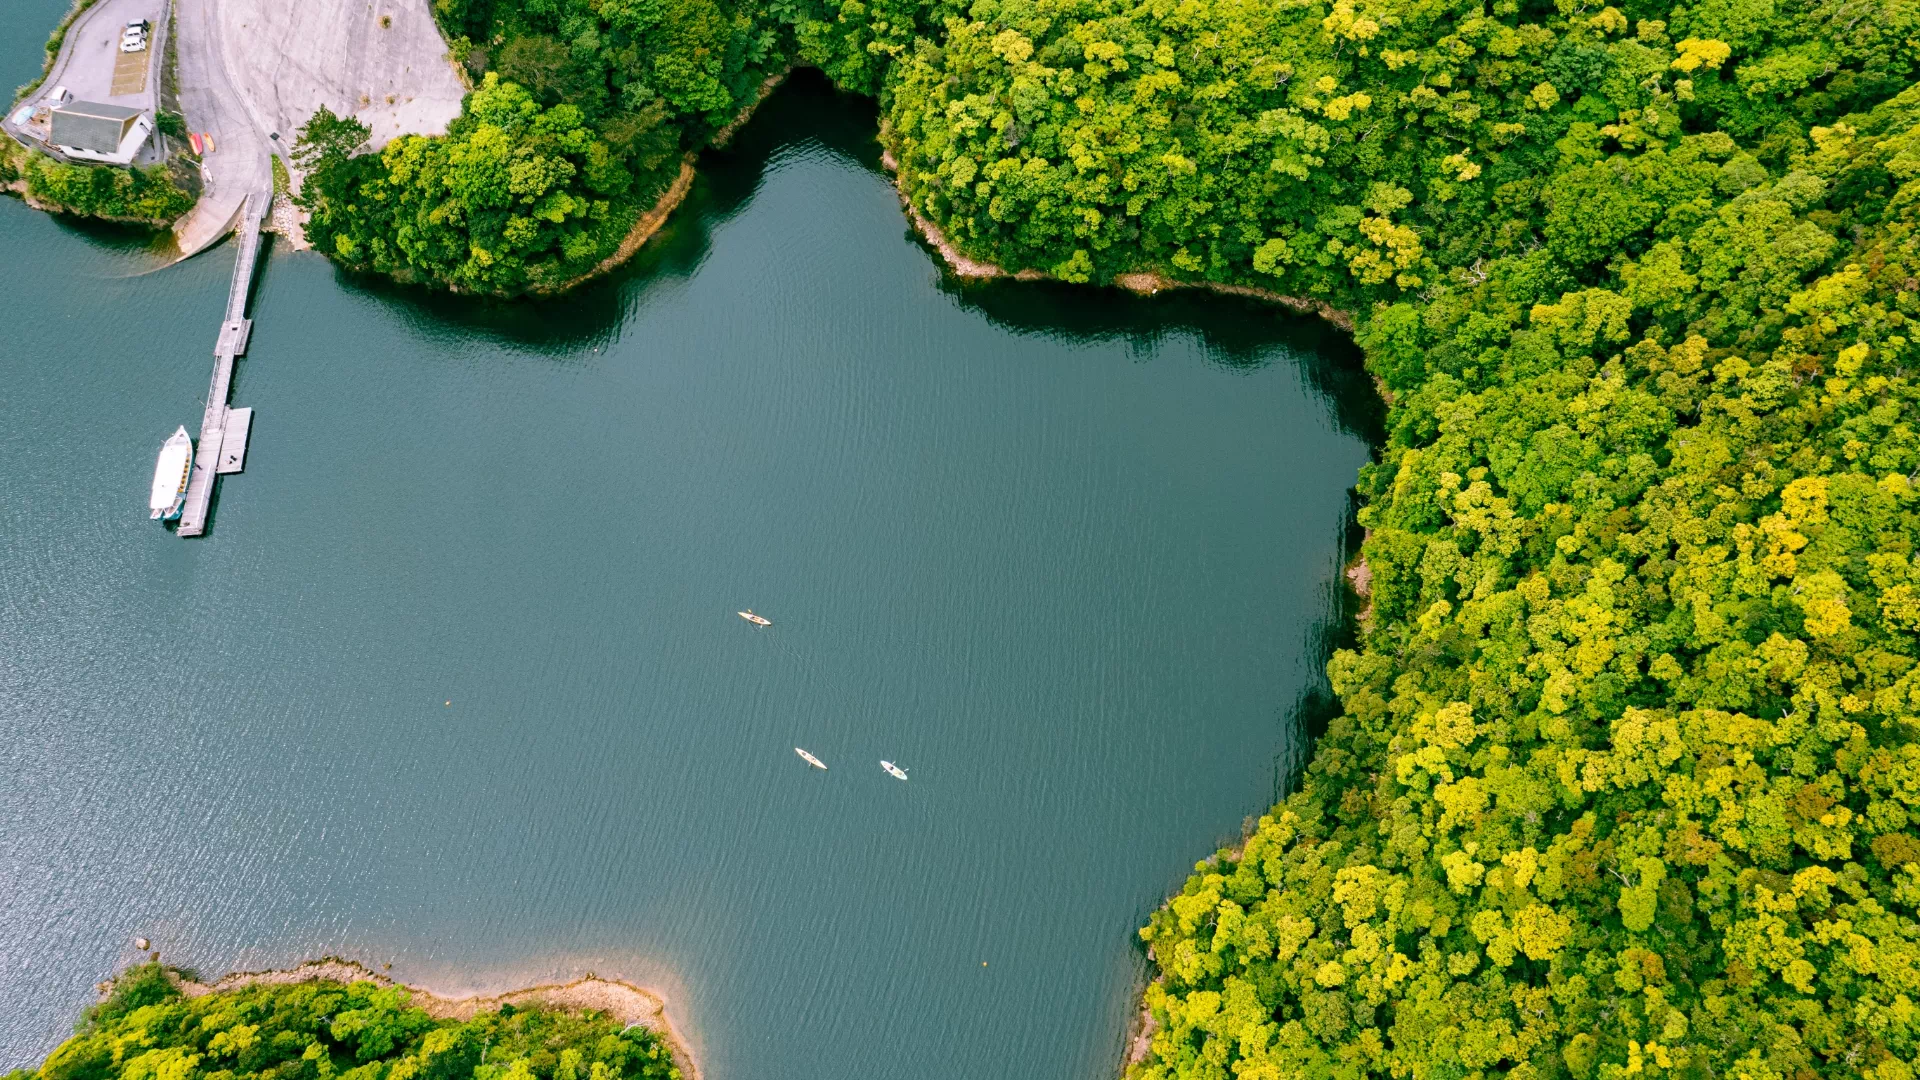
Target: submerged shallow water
{"type": "Point", "coordinates": [455, 683]}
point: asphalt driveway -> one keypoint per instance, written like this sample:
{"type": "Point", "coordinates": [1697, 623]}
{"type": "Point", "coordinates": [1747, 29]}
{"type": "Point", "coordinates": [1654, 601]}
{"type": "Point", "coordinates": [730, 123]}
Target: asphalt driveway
{"type": "Point", "coordinates": [91, 53]}
{"type": "Point", "coordinates": [92, 68]}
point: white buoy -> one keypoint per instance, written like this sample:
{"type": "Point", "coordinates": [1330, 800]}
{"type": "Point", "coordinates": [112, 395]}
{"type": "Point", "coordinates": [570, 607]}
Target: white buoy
{"type": "Point", "coordinates": [142, 944]}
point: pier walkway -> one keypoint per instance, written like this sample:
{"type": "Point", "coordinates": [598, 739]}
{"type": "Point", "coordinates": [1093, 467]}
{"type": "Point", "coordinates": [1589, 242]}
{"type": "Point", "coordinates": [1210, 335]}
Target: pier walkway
{"type": "Point", "coordinates": [223, 431]}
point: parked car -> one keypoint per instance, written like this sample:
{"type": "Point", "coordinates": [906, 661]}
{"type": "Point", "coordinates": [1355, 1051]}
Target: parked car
{"type": "Point", "coordinates": [60, 96]}
{"type": "Point", "coordinates": [134, 38]}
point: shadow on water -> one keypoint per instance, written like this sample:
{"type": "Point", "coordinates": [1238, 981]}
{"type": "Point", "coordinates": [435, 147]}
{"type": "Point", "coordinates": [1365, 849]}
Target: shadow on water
{"type": "Point", "coordinates": [1238, 333]}
{"type": "Point", "coordinates": [136, 249]}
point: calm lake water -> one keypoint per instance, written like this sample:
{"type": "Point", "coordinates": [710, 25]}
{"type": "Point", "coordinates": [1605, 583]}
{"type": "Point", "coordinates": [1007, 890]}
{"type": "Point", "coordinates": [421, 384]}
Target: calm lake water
{"type": "Point", "coordinates": [455, 683]}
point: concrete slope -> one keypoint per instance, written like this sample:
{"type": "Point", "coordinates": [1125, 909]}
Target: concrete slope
{"type": "Point", "coordinates": [254, 69]}
{"type": "Point", "coordinates": [239, 162]}
{"type": "Point", "coordinates": [381, 61]}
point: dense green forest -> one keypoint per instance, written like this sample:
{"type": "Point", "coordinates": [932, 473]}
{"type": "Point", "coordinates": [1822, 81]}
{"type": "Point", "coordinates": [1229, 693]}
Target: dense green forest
{"type": "Point", "coordinates": [138, 194]}
{"type": "Point", "coordinates": [580, 118]}
{"type": "Point", "coordinates": [321, 1030]}
{"type": "Point", "coordinates": [1623, 777]}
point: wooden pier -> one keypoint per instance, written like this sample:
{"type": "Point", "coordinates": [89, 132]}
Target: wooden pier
{"type": "Point", "coordinates": [223, 431]}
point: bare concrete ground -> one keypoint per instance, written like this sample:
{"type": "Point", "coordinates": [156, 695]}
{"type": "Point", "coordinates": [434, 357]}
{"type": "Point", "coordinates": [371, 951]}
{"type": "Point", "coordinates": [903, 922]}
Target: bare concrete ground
{"type": "Point", "coordinates": [380, 61]}
{"type": "Point", "coordinates": [238, 163]}
{"type": "Point", "coordinates": [255, 69]}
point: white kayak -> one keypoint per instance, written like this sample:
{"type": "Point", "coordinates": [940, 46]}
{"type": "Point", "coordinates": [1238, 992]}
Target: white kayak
{"type": "Point", "coordinates": [810, 759]}
{"type": "Point", "coordinates": [170, 476]}
{"type": "Point", "coordinates": [754, 619]}
{"type": "Point", "coordinates": [893, 770]}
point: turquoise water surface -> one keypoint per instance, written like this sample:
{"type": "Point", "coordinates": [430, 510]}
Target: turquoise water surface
{"type": "Point", "coordinates": [455, 682]}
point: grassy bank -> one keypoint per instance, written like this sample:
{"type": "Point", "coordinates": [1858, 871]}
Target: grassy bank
{"type": "Point", "coordinates": [136, 196]}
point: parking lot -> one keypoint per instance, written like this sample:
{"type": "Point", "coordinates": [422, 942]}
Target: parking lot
{"type": "Point", "coordinates": [92, 68]}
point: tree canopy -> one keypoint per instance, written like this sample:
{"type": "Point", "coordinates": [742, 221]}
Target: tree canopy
{"type": "Point", "coordinates": [150, 195]}
{"type": "Point", "coordinates": [324, 1030]}
{"type": "Point", "coordinates": [1624, 778]}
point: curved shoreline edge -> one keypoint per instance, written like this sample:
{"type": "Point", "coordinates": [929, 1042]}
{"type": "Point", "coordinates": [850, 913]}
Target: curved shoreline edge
{"type": "Point", "coordinates": [655, 218]}
{"type": "Point", "coordinates": [643, 230]}
{"type": "Point", "coordinates": [1139, 282]}
{"type": "Point", "coordinates": [624, 1001]}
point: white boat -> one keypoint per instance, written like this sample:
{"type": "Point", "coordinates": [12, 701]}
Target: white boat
{"type": "Point", "coordinates": [893, 770]}
{"type": "Point", "coordinates": [170, 476]}
{"type": "Point", "coordinates": [810, 759]}
{"type": "Point", "coordinates": [754, 619]}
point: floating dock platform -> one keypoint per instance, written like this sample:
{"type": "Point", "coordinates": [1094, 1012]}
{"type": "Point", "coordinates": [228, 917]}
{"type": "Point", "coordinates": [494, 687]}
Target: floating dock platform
{"type": "Point", "coordinates": [223, 431]}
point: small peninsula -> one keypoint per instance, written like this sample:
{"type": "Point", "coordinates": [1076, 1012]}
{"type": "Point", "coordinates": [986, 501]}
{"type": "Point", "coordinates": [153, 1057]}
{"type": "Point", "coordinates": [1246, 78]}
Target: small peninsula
{"type": "Point", "coordinates": [336, 1018]}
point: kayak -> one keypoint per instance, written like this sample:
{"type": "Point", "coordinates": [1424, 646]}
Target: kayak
{"type": "Point", "coordinates": [810, 759]}
{"type": "Point", "coordinates": [893, 770]}
{"type": "Point", "coordinates": [754, 619]}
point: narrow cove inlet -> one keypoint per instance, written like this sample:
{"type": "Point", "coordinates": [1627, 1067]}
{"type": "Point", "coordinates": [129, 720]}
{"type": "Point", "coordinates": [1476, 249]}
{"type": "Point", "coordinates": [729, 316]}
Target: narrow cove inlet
{"type": "Point", "coordinates": [456, 685]}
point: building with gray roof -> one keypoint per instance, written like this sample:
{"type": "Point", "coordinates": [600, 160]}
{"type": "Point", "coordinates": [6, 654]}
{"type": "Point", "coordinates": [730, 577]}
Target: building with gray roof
{"type": "Point", "coordinates": [91, 131]}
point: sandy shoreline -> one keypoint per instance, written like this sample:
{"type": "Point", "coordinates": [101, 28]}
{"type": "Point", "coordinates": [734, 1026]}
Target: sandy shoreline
{"type": "Point", "coordinates": [655, 218]}
{"type": "Point", "coordinates": [625, 1002]}
{"type": "Point", "coordinates": [1141, 282]}
{"type": "Point", "coordinates": [643, 230]}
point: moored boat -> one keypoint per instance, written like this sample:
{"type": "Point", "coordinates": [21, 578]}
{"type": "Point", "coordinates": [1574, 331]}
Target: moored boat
{"type": "Point", "coordinates": [170, 475]}
{"type": "Point", "coordinates": [810, 759]}
{"type": "Point", "coordinates": [893, 770]}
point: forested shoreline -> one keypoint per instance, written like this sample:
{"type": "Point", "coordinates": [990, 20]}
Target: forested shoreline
{"type": "Point", "coordinates": [1624, 773]}
{"type": "Point", "coordinates": [146, 1028]}
{"type": "Point", "coordinates": [146, 195]}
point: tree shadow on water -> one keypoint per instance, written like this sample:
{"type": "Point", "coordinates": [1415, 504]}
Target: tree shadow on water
{"type": "Point", "coordinates": [1238, 333]}
{"type": "Point", "coordinates": [808, 114]}
{"type": "Point", "coordinates": [807, 109]}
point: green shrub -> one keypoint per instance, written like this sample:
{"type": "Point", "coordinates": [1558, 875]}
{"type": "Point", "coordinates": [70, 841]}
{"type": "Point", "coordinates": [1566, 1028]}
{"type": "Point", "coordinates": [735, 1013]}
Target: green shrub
{"type": "Point", "coordinates": [135, 988]}
{"type": "Point", "coordinates": [1625, 777]}
{"type": "Point", "coordinates": [147, 1029]}
{"type": "Point", "coordinates": [136, 194]}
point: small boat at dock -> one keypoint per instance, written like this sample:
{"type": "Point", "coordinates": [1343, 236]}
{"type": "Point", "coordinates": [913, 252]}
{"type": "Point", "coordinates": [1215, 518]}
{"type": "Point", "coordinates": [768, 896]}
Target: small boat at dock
{"type": "Point", "coordinates": [170, 476]}
{"type": "Point", "coordinates": [893, 770]}
{"type": "Point", "coordinates": [754, 619]}
{"type": "Point", "coordinates": [810, 759]}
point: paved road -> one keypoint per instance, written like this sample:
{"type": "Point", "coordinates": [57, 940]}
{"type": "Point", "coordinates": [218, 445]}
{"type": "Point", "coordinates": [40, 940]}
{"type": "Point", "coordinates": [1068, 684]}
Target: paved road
{"type": "Point", "coordinates": [87, 57]}
{"type": "Point", "coordinates": [92, 46]}
{"type": "Point", "coordinates": [239, 162]}
{"type": "Point", "coordinates": [252, 68]}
